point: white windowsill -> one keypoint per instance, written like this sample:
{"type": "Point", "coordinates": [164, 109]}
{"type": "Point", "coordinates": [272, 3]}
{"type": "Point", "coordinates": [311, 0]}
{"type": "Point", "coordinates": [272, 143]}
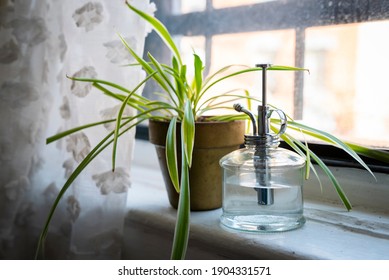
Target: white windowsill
{"type": "Point", "coordinates": [329, 233]}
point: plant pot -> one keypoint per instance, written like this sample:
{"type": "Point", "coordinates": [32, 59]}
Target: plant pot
{"type": "Point", "coordinates": [213, 140]}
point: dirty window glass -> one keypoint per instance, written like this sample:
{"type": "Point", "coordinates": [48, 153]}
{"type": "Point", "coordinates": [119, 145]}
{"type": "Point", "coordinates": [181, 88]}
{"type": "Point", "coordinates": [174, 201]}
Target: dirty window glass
{"type": "Point", "coordinates": [343, 43]}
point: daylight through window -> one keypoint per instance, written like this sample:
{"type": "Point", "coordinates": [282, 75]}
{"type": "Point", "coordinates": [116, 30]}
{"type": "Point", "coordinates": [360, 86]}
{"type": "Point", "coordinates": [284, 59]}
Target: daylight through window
{"type": "Point", "coordinates": [344, 44]}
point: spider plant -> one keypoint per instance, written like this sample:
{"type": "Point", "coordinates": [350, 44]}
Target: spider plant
{"type": "Point", "coordinates": [185, 102]}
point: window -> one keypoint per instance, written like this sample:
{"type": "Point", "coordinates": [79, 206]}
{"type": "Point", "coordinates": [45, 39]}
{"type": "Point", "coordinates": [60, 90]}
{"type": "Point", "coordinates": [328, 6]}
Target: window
{"type": "Point", "coordinates": [343, 43]}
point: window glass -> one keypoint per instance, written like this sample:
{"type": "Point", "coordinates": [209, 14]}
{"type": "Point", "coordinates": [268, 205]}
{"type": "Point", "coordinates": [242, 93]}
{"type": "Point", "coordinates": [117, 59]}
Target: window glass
{"type": "Point", "coordinates": [188, 6]}
{"type": "Point", "coordinates": [233, 3]}
{"type": "Point", "coordinates": [248, 49]}
{"type": "Point", "coordinates": [346, 92]}
{"type": "Point", "coordinates": [275, 47]}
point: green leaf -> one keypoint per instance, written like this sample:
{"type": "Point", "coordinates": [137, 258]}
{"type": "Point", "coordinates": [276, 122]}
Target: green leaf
{"type": "Point", "coordinates": [160, 29]}
{"type": "Point", "coordinates": [324, 136]}
{"type": "Point", "coordinates": [198, 68]}
{"type": "Point", "coordinates": [171, 154]}
{"type": "Point", "coordinates": [188, 132]}
{"type": "Point", "coordinates": [186, 91]}
{"type": "Point", "coordinates": [333, 180]}
{"type": "Point", "coordinates": [138, 99]}
{"type": "Point", "coordinates": [146, 66]}
{"type": "Point", "coordinates": [204, 90]}
{"type": "Point", "coordinates": [181, 232]}
{"type": "Point", "coordinates": [74, 130]}
{"type": "Point", "coordinates": [101, 146]}
{"type": "Point", "coordinates": [329, 174]}
{"type": "Point", "coordinates": [308, 166]}
{"type": "Point", "coordinates": [160, 70]}
{"type": "Point", "coordinates": [227, 97]}
{"type": "Point", "coordinates": [67, 184]}
{"type": "Point", "coordinates": [291, 142]}
{"type": "Point", "coordinates": [116, 131]}
{"type": "Point", "coordinates": [92, 80]}
{"type": "Point", "coordinates": [286, 68]}
{"type": "Point", "coordinates": [221, 70]}
{"type": "Point", "coordinates": [372, 153]}
{"type": "Point", "coordinates": [234, 117]}
{"type": "Point", "coordinates": [179, 85]}
{"type": "Point", "coordinates": [119, 118]}
{"type": "Point", "coordinates": [240, 72]}
{"type": "Point", "coordinates": [308, 160]}
{"type": "Point", "coordinates": [137, 102]}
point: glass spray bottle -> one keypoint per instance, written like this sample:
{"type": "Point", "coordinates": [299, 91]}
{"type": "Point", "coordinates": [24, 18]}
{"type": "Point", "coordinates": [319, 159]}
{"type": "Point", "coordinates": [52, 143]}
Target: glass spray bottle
{"type": "Point", "coordinates": [262, 183]}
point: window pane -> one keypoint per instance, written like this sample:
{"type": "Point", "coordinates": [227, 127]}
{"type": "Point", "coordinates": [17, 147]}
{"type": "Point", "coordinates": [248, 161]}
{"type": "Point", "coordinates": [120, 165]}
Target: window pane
{"type": "Point", "coordinates": [275, 47]}
{"type": "Point", "coordinates": [346, 92]}
{"type": "Point", "coordinates": [188, 6]}
{"type": "Point", "coordinates": [232, 3]}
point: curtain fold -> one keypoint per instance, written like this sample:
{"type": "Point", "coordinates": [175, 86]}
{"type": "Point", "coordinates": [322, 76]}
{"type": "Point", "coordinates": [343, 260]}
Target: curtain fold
{"type": "Point", "coordinates": [40, 43]}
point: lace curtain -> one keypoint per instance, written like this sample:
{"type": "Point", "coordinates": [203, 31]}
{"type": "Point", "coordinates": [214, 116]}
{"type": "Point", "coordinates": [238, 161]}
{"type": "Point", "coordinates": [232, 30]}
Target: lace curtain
{"type": "Point", "coordinates": [40, 43]}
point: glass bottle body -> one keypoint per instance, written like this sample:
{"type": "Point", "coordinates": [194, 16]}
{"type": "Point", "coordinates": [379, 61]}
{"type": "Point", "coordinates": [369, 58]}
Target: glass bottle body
{"type": "Point", "coordinates": [262, 189]}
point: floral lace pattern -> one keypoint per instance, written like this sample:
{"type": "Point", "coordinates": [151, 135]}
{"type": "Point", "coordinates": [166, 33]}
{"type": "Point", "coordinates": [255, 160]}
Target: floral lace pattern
{"type": "Point", "coordinates": [28, 31]}
{"type": "Point", "coordinates": [89, 15]}
{"type": "Point", "coordinates": [82, 89]}
{"type": "Point", "coordinates": [78, 144]}
{"type": "Point", "coordinates": [118, 53]}
{"type": "Point", "coordinates": [41, 43]}
{"type": "Point", "coordinates": [117, 181]}
{"type": "Point", "coordinates": [9, 51]}
{"type": "Point", "coordinates": [111, 113]}
{"type": "Point", "coordinates": [17, 94]}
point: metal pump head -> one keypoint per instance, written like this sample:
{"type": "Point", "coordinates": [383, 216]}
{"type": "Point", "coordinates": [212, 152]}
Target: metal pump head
{"type": "Point", "coordinates": [265, 195]}
{"type": "Point", "coordinates": [262, 139]}
{"type": "Point", "coordinates": [263, 110]}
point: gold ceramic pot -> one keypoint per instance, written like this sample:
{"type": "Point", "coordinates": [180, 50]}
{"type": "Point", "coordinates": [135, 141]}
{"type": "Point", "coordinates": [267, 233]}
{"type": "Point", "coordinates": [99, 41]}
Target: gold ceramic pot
{"type": "Point", "coordinates": [213, 140]}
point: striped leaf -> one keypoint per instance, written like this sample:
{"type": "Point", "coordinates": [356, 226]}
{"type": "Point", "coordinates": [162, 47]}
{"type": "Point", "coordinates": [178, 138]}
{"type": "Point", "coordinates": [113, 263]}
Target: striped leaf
{"type": "Point", "coordinates": [171, 153]}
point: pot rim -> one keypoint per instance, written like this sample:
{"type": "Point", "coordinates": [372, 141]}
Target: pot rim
{"type": "Point", "coordinates": [202, 121]}
{"type": "Point", "coordinates": [230, 133]}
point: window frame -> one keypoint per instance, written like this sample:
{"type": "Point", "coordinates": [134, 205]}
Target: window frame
{"type": "Point", "coordinates": [257, 17]}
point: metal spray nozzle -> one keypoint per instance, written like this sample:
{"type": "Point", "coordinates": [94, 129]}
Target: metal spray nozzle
{"type": "Point", "coordinates": [239, 108]}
